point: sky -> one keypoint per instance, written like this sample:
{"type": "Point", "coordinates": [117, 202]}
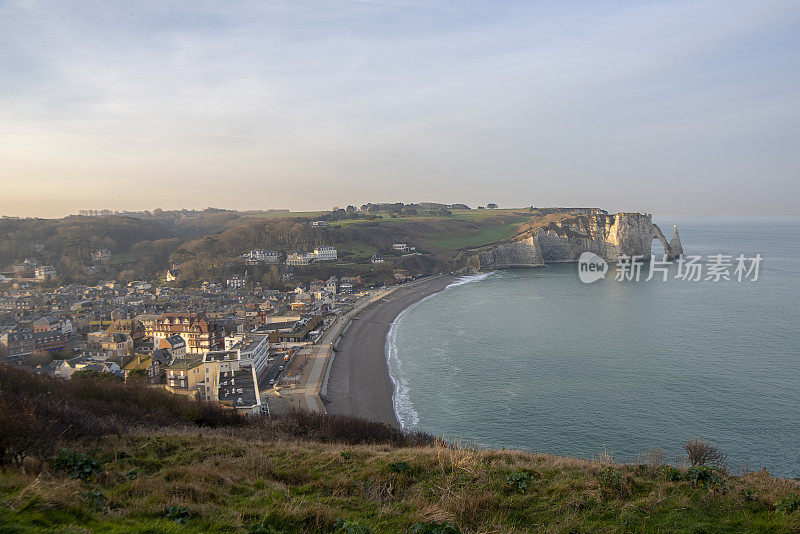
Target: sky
{"type": "Point", "coordinates": [674, 108]}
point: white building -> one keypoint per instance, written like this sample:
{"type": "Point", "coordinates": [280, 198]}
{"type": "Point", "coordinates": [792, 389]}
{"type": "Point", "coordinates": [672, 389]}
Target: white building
{"type": "Point", "coordinates": [256, 256]}
{"type": "Point", "coordinates": [325, 253]}
{"type": "Point", "coordinates": [236, 281]}
{"type": "Point", "coordinates": [45, 272]}
{"type": "Point", "coordinates": [297, 258]}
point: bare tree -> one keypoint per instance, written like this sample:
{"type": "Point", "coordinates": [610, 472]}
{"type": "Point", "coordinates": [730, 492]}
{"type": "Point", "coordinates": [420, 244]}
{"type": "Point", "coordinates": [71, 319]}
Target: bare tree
{"type": "Point", "coordinates": [704, 453]}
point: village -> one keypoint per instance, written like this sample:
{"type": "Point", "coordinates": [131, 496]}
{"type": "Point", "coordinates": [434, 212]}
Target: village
{"type": "Point", "coordinates": [230, 341]}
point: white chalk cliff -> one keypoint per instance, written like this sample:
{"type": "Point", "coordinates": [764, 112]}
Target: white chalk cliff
{"type": "Point", "coordinates": [554, 236]}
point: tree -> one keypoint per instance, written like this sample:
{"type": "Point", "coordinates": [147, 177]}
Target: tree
{"type": "Point", "coordinates": [491, 206]}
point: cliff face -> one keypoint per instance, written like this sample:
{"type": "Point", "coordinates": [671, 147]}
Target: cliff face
{"type": "Point", "coordinates": [563, 236]}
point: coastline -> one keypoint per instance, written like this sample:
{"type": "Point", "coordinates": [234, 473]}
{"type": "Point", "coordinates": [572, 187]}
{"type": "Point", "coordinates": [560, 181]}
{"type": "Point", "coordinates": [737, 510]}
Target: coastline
{"type": "Point", "coordinates": [359, 382]}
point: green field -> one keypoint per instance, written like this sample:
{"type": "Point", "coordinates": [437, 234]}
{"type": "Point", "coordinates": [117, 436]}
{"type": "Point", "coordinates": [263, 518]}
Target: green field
{"type": "Point", "coordinates": [455, 242]}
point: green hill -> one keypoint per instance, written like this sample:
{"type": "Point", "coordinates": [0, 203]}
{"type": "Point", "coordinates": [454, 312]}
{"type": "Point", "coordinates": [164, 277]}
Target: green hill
{"type": "Point", "coordinates": [124, 458]}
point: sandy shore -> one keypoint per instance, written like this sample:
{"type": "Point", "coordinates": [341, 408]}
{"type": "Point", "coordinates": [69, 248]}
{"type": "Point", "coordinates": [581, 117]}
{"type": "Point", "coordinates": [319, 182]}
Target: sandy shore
{"type": "Point", "coordinates": [359, 382]}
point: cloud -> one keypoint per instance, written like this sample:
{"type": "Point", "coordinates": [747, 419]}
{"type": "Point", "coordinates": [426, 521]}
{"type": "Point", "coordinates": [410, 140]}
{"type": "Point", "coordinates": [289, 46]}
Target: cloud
{"type": "Point", "coordinates": [311, 104]}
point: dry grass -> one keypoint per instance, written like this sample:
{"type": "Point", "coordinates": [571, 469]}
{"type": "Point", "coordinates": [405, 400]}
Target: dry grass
{"type": "Point", "coordinates": [228, 483]}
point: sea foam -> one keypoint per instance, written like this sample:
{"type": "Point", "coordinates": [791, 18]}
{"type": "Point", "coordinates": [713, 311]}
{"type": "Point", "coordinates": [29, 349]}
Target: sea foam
{"type": "Point", "coordinates": [401, 400]}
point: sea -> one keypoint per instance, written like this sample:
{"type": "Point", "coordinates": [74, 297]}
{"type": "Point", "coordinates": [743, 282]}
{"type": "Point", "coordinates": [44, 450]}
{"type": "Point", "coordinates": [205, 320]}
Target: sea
{"type": "Point", "coordinates": [535, 359]}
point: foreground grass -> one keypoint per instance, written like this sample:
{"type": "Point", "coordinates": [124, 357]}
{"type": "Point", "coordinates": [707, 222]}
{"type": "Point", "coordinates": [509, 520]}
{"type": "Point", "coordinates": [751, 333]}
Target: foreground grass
{"type": "Point", "coordinates": [188, 482]}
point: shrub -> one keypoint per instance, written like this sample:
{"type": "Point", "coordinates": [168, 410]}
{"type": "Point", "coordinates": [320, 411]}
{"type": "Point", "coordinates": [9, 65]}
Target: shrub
{"type": "Point", "coordinates": [76, 464]}
{"type": "Point", "coordinates": [178, 514]}
{"type": "Point", "coordinates": [671, 474]}
{"type": "Point", "coordinates": [704, 475]}
{"type": "Point", "coordinates": [520, 481]}
{"type": "Point", "coordinates": [401, 468]}
{"type": "Point", "coordinates": [611, 480]}
{"type": "Point", "coordinates": [789, 504]}
{"type": "Point", "coordinates": [436, 527]}
{"type": "Point", "coordinates": [346, 456]}
{"type": "Point", "coordinates": [264, 529]}
{"type": "Point", "coordinates": [704, 453]}
{"type": "Point", "coordinates": [341, 526]}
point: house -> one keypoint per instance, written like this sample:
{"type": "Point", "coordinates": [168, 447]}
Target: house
{"type": "Point", "coordinates": [46, 324]}
{"type": "Point", "coordinates": [257, 256]}
{"type": "Point", "coordinates": [236, 281]}
{"type": "Point", "coordinates": [331, 285]}
{"type": "Point", "coordinates": [174, 345]}
{"type": "Point", "coordinates": [18, 342]}
{"type": "Point", "coordinates": [138, 363]}
{"type": "Point", "coordinates": [346, 287]}
{"type": "Point", "coordinates": [319, 224]}
{"type": "Point", "coordinates": [199, 333]}
{"type": "Point", "coordinates": [131, 327]}
{"type": "Point", "coordinates": [377, 258]}
{"type": "Point", "coordinates": [185, 377]}
{"type": "Point", "coordinates": [402, 247]}
{"type": "Point", "coordinates": [297, 258]}
{"type": "Point", "coordinates": [44, 273]}
{"type": "Point", "coordinates": [172, 275]}
{"type": "Point", "coordinates": [159, 361]}
{"type": "Point", "coordinates": [325, 253]}
{"type": "Point", "coordinates": [101, 256]}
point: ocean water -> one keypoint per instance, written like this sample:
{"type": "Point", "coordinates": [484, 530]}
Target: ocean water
{"type": "Point", "coordinates": [535, 359]}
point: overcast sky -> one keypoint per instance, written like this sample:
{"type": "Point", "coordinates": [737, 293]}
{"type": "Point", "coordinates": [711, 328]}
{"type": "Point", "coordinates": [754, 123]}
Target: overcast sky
{"type": "Point", "coordinates": [675, 108]}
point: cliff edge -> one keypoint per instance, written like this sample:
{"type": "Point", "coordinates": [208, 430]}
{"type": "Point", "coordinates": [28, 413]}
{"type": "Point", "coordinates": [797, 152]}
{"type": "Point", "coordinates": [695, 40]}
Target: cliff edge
{"type": "Point", "coordinates": [560, 235]}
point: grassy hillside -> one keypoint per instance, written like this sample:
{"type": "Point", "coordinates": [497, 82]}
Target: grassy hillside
{"type": "Point", "coordinates": [167, 465]}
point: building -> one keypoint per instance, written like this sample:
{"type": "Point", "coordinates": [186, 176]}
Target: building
{"type": "Point", "coordinates": [47, 324]}
{"type": "Point", "coordinates": [402, 247]}
{"type": "Point", "coordinates": [297, 258]}
{"type": "Point", "coordinates": [236, 281]}
{"type": "Point", "coordinates": [175, 345]}
{"type": "Point", "coordinates": [257, 256]}
{"type": "Point", "coordinates": [402, 274]}
{"type": "Point", "coordinates": [101, 256]}
{"type": "Point", "coordinates": [319, 224]}
{"type": "Point", "coordinates": [199, 333]}
{"type": "Point", "coordinates": [325, 253]}
{"type": "Point", "coordinates": [346, 288]}
{"type": "Point", "coordinates": [331, 285]}
{"type": "Point", "coordinates": [131, 327]}
{"type": "Point", "coordinates": [185, 377]}
{"type": "Point", "coordinates": [17, 342]}
{"type": "Point", "coordinates": [44, 273]}
{"type": "Point", "coordinates": [172, 275]}
{"type": "Point", "coordinates": [231, 381]}
{"type": "Point", "coordinates": [377, 258]}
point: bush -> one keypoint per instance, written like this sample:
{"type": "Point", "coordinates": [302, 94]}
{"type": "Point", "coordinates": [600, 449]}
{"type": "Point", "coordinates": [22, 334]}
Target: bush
{"type": "Point", "coordinates": [76, 464]}
{"type": "Point", "coordinates": [704, 453]}
{"type": "Point", "coordinates": [401, 468]}
{"type": "Point", "coordinates": [704, 475]}
{"type": "Point", "coordinates": [671, 474]}
{"type": "Point", "coordinates": [520, 481]}
{"type": "Point", "coordinates": [178, 514]}
{"type": "Point", "coordinates": [789, 504]}
{"type": "Point", "coordinates": [436, 527]}
{"type": "Point", "coordinates": [612, 481]}
{"type": "Point", "coordinates": [341, 526]}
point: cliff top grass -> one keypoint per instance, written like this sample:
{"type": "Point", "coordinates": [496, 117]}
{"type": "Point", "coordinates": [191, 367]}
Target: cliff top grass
{"type": "Point", "coordinates": [93, 455]}
{"type": "Point", "coordinates": [215, 482]}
